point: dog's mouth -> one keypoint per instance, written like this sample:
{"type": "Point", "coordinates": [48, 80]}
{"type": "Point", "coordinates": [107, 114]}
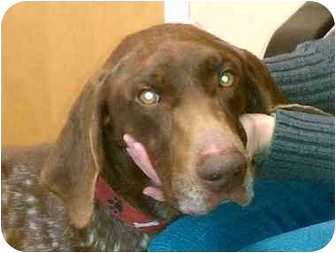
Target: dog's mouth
{"type": "Point", "coordinates": [190, 196]}
{"type": "Point", "coordinates": [195, 199]}
{"type": "Point", "coordinates": [140, 157]}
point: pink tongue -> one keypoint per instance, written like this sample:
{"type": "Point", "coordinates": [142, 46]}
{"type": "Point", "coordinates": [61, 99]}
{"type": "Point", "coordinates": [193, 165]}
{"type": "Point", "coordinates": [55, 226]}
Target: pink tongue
{"type": "Point", "coordinates": [139, 155]}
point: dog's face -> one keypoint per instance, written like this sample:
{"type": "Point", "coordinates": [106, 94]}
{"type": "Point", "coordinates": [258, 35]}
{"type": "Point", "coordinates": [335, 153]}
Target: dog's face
{"type": "Point", "coordinates": [181, 95]}
{"type": "Point", "coordinates": [180, 92]}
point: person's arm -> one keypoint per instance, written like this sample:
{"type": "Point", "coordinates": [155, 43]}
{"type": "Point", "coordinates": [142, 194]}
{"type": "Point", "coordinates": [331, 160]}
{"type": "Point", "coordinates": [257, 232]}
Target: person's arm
{"type": "Point", "coordinates": [307, 75]}
{"type": "Point", "coordinates": [293, 145]}
{"type": "Point", "coordinates": [299, 145]}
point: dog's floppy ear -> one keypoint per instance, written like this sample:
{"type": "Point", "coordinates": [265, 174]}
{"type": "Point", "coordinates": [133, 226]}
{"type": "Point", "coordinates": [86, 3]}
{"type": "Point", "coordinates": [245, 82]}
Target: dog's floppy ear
{"type": "Point", "coordinates": [263, 95]}
{"type": "Point", "coordinates": [72, 168]}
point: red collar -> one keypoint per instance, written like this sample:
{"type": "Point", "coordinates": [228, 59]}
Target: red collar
{"type": "Point", "coordinates": [121, 209]}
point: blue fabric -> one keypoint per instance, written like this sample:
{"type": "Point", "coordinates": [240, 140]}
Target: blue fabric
{"type": "Point", "coordinates": [310, 238]}
{"type": "Point", "coordinates": [278, 207]}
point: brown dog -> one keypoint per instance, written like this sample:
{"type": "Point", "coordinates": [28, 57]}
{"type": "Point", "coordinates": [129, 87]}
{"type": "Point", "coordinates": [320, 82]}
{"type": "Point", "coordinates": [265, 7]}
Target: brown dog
{"type": "Point", "coordinates": [179, 91]}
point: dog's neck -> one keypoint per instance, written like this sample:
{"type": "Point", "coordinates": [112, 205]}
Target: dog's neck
{"type": "Point", "coordinates": [107, 232]}
{"type": "Point", "coordinates": [122, 210]}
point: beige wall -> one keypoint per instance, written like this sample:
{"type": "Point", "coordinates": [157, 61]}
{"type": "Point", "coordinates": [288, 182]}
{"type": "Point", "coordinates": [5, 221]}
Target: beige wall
{"type": "Point", "coordinates": [49, 50]}
{"type": "Point", "coordinates": [249, 25]}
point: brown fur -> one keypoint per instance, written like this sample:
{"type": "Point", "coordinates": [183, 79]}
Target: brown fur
{"type": "Point", "coordinates": [193, 138]}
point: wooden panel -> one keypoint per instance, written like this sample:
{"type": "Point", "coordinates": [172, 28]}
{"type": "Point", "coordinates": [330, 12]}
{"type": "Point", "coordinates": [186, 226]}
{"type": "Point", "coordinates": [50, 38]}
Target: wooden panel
{"type": "Point", "coordinates": [49, 50]}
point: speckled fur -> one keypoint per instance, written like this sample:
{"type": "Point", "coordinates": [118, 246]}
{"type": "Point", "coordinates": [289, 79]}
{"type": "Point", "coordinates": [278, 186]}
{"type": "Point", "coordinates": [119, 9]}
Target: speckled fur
{"type": "Point", "coordinates": [34, 219]}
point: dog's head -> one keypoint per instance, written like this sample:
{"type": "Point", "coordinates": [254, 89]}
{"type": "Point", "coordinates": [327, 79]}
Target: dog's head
{"type": "Point", "coordinates": [180, 92]}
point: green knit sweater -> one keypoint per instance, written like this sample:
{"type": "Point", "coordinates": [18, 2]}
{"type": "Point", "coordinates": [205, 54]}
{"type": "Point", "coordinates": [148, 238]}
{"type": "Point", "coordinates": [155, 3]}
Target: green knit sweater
{"type": "Point", "coordinates": [303, 145]}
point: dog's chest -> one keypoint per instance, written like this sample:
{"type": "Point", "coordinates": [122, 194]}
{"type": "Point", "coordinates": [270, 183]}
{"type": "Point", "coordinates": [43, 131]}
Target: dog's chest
{"type": "Point", "coordinates": [34, 219]}
{"type": "Point", "coordinates": [106, 233]}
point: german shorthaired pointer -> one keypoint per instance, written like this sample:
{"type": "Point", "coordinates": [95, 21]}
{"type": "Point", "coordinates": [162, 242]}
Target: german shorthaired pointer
{"type": "Point", "coordinates": [176, 89]}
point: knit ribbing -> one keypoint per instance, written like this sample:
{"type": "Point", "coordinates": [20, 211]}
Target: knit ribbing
{"type": "Point", "coordinates": [302, 147]}
{"type": "Point", "coordinates": [307, 75]}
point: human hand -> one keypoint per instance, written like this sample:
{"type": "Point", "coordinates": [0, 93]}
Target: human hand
{"type": "Point", "coordinates": [259, 129]}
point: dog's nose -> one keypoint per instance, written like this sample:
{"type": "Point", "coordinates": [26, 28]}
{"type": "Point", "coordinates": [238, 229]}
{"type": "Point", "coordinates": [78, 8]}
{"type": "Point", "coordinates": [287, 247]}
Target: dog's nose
{"type": "Point", "coordinates": [218, 170]}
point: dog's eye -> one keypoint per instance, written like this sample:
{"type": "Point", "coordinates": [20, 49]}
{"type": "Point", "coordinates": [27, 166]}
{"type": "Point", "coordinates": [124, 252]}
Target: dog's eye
{"type": "Point", "coordinates": [226, 79]}
{"type": "Point", "coordinates": [148, 97]}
